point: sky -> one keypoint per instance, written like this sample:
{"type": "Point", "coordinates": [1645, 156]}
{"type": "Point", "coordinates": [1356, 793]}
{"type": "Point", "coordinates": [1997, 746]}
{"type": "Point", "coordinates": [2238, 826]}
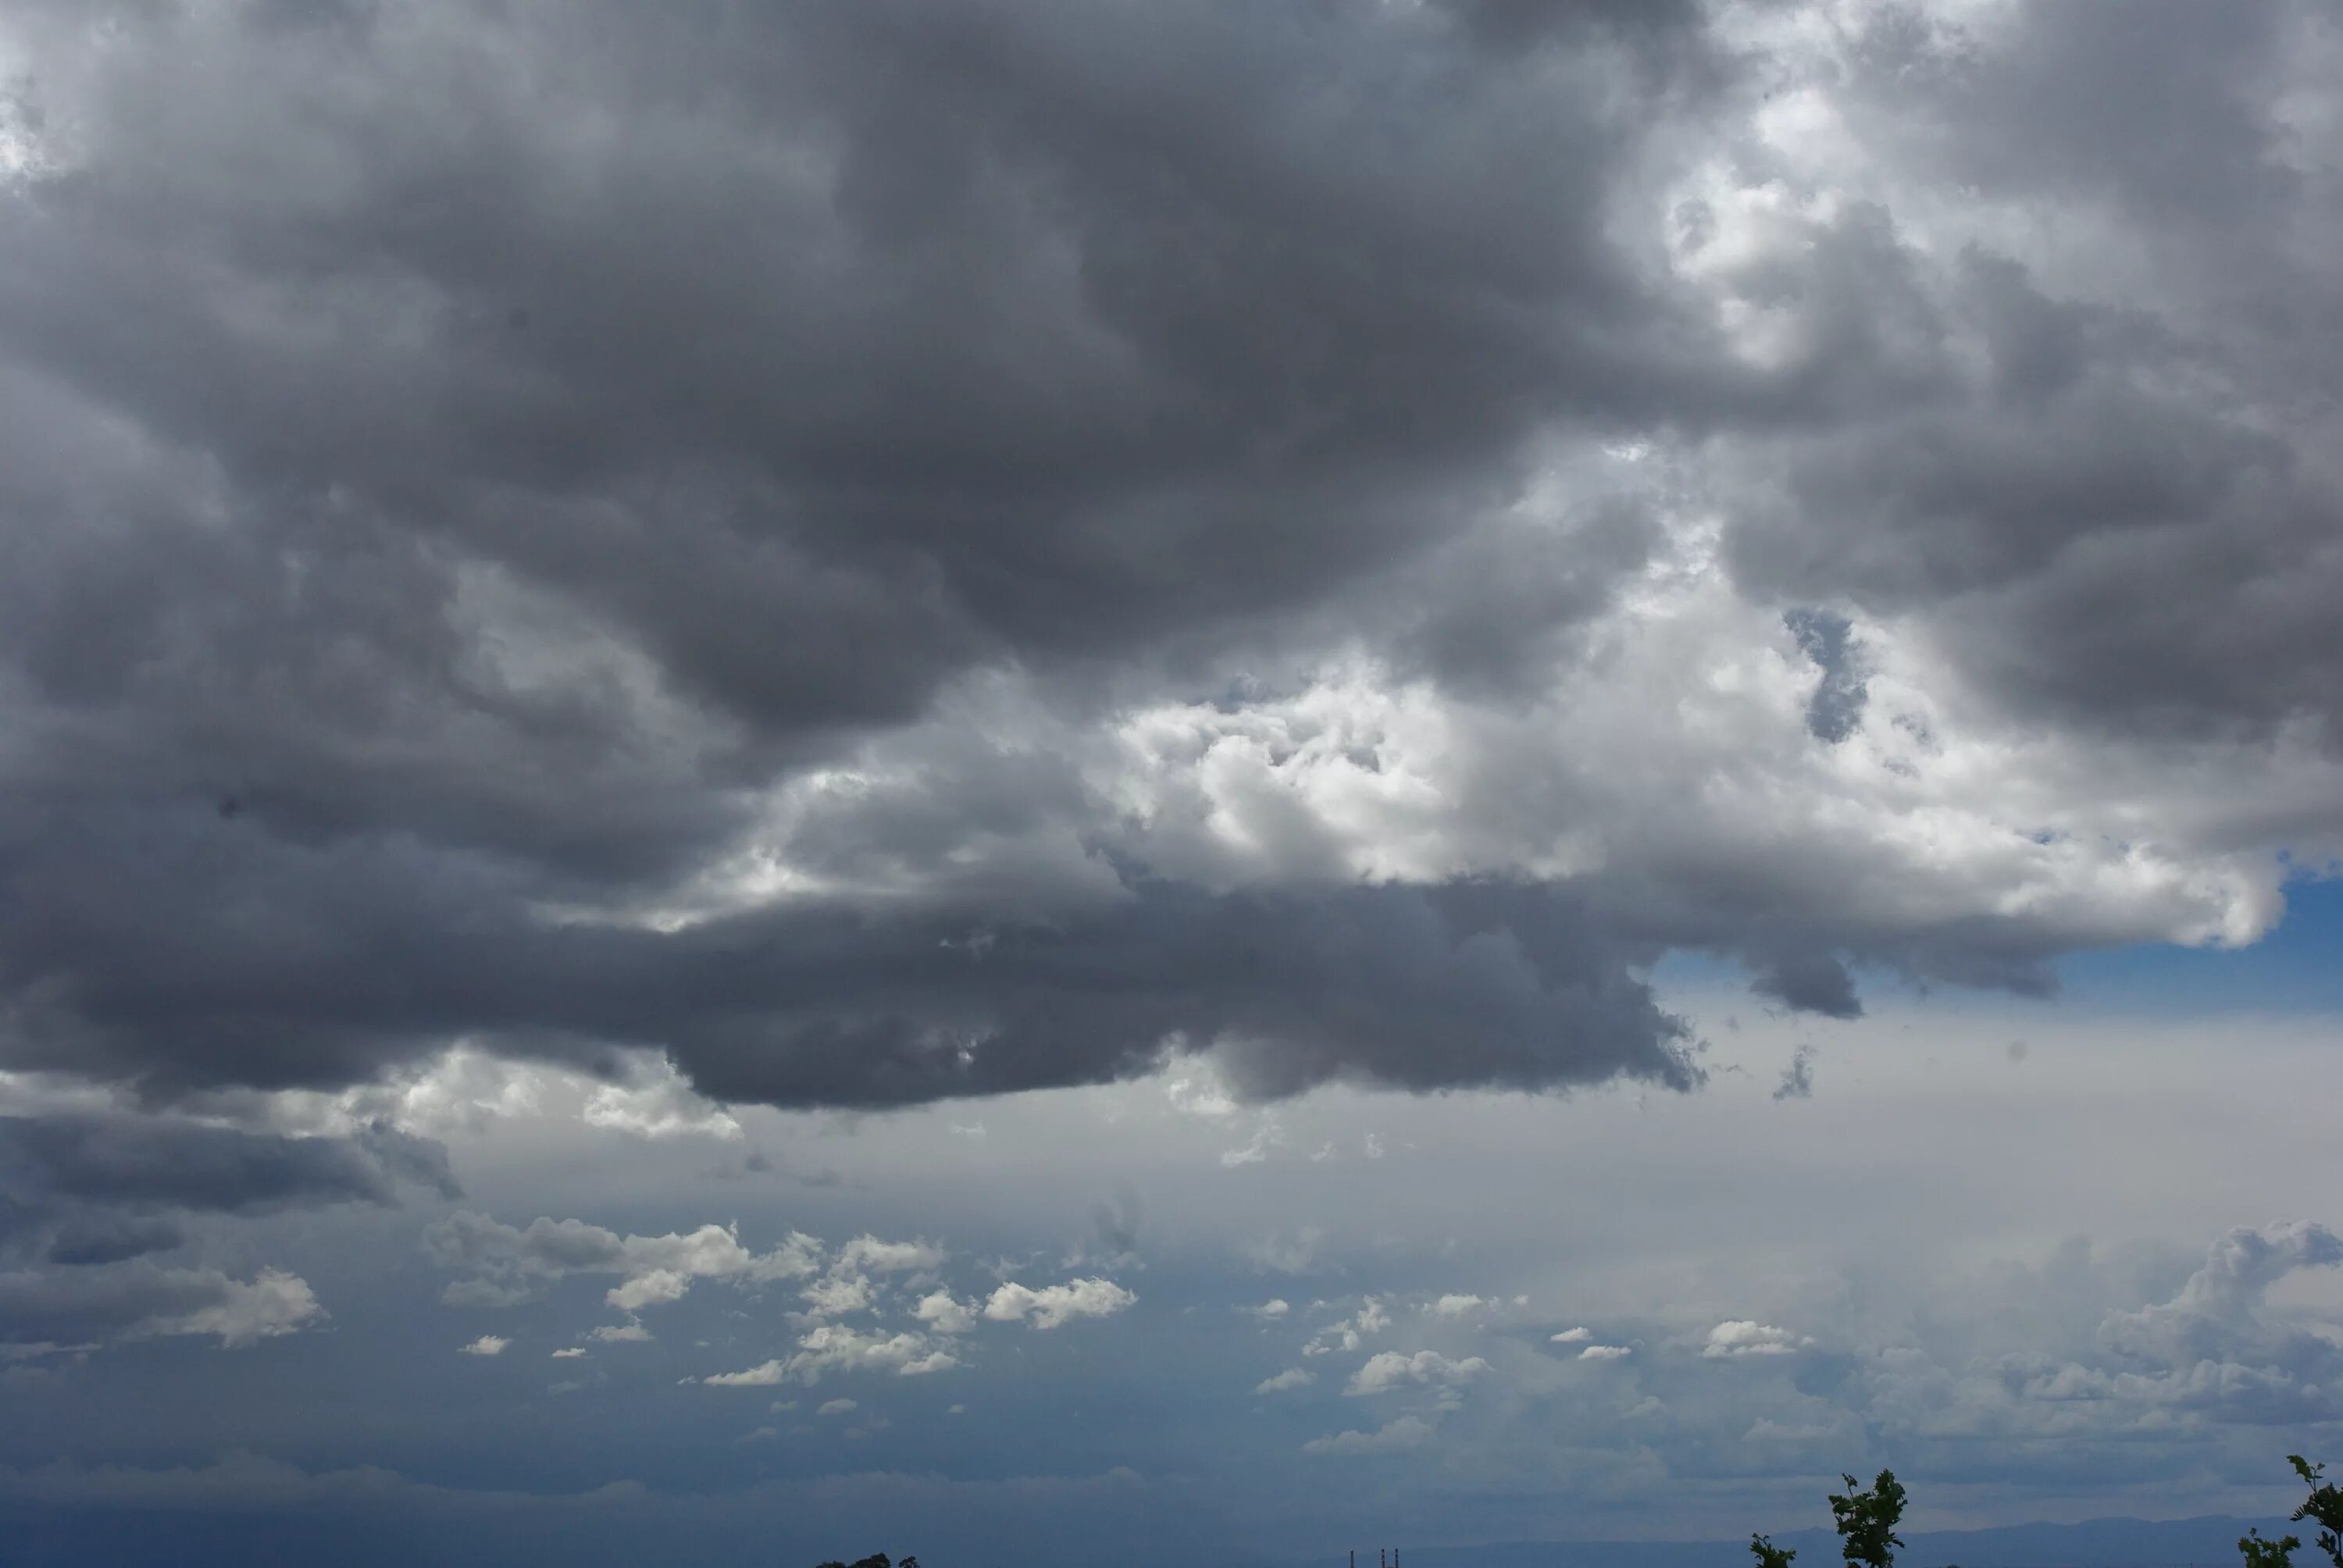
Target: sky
{"type": "Point", "coordinates": [966, 776]}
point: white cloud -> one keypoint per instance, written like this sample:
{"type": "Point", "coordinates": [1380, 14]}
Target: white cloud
{"type": "Point", "coordinates": [1275, 1308]}
{"type": "Point", "coordinates": [838, 1407]}
{"type": "Point", "coordinates": [1291, 1377]}
{"type": "Point", "coordinates": [1389, 1370]}
{"type": "Point", "coordinates": [1053, 1305]}
{"type": "Point", "coordinates": [572, 1353]}
{"type": "Point", "coordinates": [1743, 1337]}
{"type": "Point", "coordinates": [619, 1333]}
{"type": "Point", "coordinates": [656, 1288]}
{"type": "Point", "coordinates": [485, 1345]}
{"type": "Point", "coordinates": [1409, 1432]}
{"type": "Point", "coordinates": [836, 1348]}
{"type": "Point", "coordinates": [1350, 1333]}
{"type": "Point", "coordinates": [945, 1313]}
{"type": "Point", "coordinates": [1194, 1089]}
{"type": "Point", "coordinates": [868, 1254]}
{"type": "Point", "coordinates": [1456, 1306]}
{"type": "Point", "coordinates": [1573, 1336]}
{"type": "Point", "coordinates": [654, 1270]}
{"type": "Point", "coordinates": [1605, 1353]}
{"type": "Point", "coordinates": [656, 1101]}
{"type": "Point", "coordinates": [835, 1295]}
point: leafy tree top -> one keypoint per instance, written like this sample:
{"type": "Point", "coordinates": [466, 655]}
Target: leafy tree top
{"type": "Point", "coordinates": [1867, 1520]}
{"type": "Point", "coordinates": [2323, 1507]}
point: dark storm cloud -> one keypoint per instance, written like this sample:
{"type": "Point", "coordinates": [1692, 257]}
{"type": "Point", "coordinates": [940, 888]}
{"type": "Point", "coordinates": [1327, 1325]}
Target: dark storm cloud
{"type": "Point", "coordinates": [457, 458]}
{"type": "Point", "coordinates": [92, 1188]}
{"type": "Point", "coordinates": [827, 1003]}
{"type": "Point", "coordinates": [777, 366]}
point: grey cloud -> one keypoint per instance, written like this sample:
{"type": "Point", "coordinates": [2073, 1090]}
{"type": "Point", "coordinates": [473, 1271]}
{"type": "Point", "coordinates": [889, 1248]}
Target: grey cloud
{"type": "Point", "coordinates": [97, 1187]}
{"type": "Point", "coordinates": [1798, 1078]}
{"type": "Point", "coordinates": [832, 1004]}
{"type": "Point", "coordinates": [139, 1300]}
{"type": "Point", "coordinates": [2159, 446]}
{"type": "Point", "coordinates": [461, 460]}
{"type": "Point", "coordinates": [1835, 708]}
{"type": "Point", "coordinates": [464, 516]}
{"type": "Point", "coordinates": [1810, 982]}
{"type": "Point", "coordinates": [156, 1163]}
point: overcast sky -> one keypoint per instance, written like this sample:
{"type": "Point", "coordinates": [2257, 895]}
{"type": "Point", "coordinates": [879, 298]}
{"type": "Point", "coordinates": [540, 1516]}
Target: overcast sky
{"type": "Point", "coordinates": [960, 776]}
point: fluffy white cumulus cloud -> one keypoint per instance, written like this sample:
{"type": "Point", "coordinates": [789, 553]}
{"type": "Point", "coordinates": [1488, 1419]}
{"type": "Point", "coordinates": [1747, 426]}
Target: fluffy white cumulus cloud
{"type": "Point", "coordinates": [488, 1345]}
{"type": "Point", "coordinates": [1746, 1337]}
{"type": "Point", "coordinates": [833, 1348]}
{"type": "Point", "coordinates": [1605, 1353]}
{"type": "Point", "coordinates": [657, 1102]}
{"type": "Point", "coordinates": [656, 1270]}
{"type": "Point", "coordinates": [1053, 1306]}
{"type": "Point", "coordinates": [945, 1313]}
{"type": "Point", "coordinates": [1387, 1371]}
{"type": "Point", "coordinates": [1291, 1377]}
{"type": "Point", "coordinates": [1573, 1336]}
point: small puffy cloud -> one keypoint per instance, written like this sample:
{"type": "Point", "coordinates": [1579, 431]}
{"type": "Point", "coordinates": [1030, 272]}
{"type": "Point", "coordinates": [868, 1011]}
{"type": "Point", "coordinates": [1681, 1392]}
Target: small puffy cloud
{"type": "Point", "coordinates": [657, 1102]}
{"type": "Point", "coordinates": [838, 1407]}
{"type": "Point", "coordinates": [571, 1355]}
{"type": "Point", "coordinates": [652, 1269]}
{"type": "Point", "coordinates": [868, 1254]}
{"type": "Point", "coordinates": [1291, 1377]}
{"type": "Point", "coordinates": [1743, 1337]}
{"type": "Point", "coordinates": [1054, 1305]}
{"type": "Point", "coordinates": [654, 1289]}
{"type": "Point", "coordinates": [837, 1348]}
{"type": "Point", "coordinates": [619, 1333]}
{"type": "Point", "coordinates": [1352, 1332]}
{"type": "Point", "coordinates": [1269, 1311]}
{"type": "Point", "coordinates": [1455, 1306]}
{"type": "Point", "coordinates": [945, 1313]}
{"type": "Point", "coordinates": [1390, 1370]}
{"type": "Point", "coordinates": [1573, 1336]}
{"type": "Point", "coordinates": [1409, 1432]}
{"type": "Point", "coordinates": [485, 1345]}
{"type": "Point", "coordinates": [835, 1295]}
{"type": "Point", "coordinates": [1605, 1353]}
